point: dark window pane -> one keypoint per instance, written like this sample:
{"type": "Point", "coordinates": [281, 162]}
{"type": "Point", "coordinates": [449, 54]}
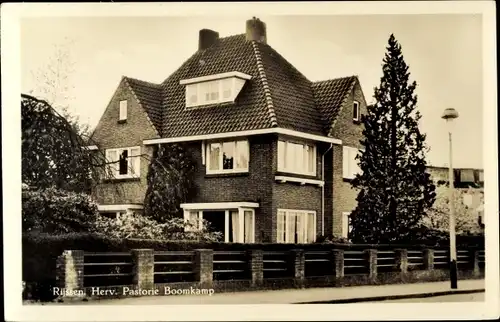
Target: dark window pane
{"type": "Point", "coordinates": [355, 110]}
{"type": "Point", "coordinates": [124, 162]}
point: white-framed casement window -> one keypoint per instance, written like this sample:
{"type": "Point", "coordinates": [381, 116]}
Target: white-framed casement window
{"type": "Point", "coordinates": [346, 224]}
{"type": "Point", "coordinates": [227, 157]}
{"type": "Point", "coordinates": [123, 110]}
{"type": "Point", "coordinates": [296, 226]}
{"type": "Point", "coordinates": [296, 158]}
{"type": "Point", "coordinates": [239, 224]}
{"type": "Point", "coordinates": [350, 163]}
{"type": "Point", "coordinates": [355, 111]}
{"type": "Point", "coordinates": [210, 92]}
{"type": "Point", "coordinates": [124, 162]}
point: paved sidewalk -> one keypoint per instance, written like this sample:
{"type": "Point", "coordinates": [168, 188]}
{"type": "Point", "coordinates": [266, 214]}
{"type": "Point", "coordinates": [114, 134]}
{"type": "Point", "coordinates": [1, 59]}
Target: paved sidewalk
{"type": "Point", "coordinates": [344, 294]}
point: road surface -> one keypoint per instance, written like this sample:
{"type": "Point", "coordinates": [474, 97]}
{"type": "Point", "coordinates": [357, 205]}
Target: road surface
{"type": "Point", "coordinates": [473, 297]}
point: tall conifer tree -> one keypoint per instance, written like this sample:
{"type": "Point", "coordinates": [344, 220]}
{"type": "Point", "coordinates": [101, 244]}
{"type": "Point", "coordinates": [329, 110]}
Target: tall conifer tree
{"type": "Point", "coordinates": [395, 191]}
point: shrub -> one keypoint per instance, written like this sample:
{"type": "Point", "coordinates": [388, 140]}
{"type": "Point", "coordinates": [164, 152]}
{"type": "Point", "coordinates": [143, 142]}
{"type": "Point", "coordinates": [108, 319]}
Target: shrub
{"type": "Point", "coordinates": [138, 226]}
{"type": "Point", "coordinates": [53, 210]}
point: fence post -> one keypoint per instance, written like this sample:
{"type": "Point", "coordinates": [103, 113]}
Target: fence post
{"type": "Point", "coordinates": [204, 267]}
{"type": "Point", "coordinates": [428, 259]}
{"type": "Point", "coordinates": [476, 270]}
{"type": "Point", "coordinates": [338, 257]}
{"type": "Point", "coordinates": [144, 266]}
{"type": "Point", "coordinates": [371, 255]}
{"type": "Point", "coordinates": [402, 262]}
{"type": "Point", "coordinates": [256, 266]}
{"type": "Point", "coordinates": [69, 274]}
{"type": "Point", "coordinates": [299, 263]}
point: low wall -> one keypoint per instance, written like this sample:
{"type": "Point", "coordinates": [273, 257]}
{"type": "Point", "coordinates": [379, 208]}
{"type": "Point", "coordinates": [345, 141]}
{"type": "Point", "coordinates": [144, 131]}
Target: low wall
{"type": "Point", "coordinates": [145, 272]}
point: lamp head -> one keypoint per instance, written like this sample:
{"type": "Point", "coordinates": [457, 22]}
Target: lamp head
{"type": "Point", "coordinates": [449, 114]}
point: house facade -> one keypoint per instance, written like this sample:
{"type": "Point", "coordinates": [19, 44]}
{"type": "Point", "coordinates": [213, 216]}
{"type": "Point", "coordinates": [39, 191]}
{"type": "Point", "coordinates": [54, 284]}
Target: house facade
{"type": "Point", "coordinates": [469, 187]}
{"type": "Point", "coordinates": [273, 151]}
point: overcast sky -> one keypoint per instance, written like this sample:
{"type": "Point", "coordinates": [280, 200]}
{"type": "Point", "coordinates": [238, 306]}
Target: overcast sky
{"type": "Point", "coordinates": [444, 53]}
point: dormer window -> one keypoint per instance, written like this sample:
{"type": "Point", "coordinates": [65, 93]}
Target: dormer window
{"type": "Point", "coordinates": [123, 111]}
{"type": "Point", "coordinates": [214, 89]}
{"type": "Point", "coordinates": [355, 111]}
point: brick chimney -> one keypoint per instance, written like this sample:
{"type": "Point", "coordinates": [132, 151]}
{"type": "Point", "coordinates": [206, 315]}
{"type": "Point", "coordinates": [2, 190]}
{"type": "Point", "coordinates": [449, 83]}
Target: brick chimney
{"type": "Point", "coordinates": [256, 30]}
{"type": "Point", "coordinates": [207, 38]}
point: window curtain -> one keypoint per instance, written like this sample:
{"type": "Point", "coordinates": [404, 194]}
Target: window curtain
{"type": "Point", "coordinates": [311, 228]}
{"type": "Point", "coordinates": [236, 226]}
{"type": "Point", "coordinates": [291, 228]}
{"type": "Point", "coordinates": [242, 152]}
{"type": "Point", "coordinates": [135, 160]}
{"type": "Point", "coordinates": [249, 229]}
{"type": "Point", "coordinates": [281, 227]}
{"type": "Point", "coordinates": [214, 156]}
{"type": "Point", "coordinates": [301, 228]}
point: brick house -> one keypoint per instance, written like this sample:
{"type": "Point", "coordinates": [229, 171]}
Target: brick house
{"type": "Point", "coordinates": [274, 152]}
{"type": "Point", "coordinates": [469, 185]}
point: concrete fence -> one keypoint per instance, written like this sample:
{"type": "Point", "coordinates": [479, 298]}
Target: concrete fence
{"type": "Point", "coordinates": [148, 272]}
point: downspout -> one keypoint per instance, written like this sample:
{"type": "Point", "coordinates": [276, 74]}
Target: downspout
{"type": "Point", "coordinates": [323, 190]}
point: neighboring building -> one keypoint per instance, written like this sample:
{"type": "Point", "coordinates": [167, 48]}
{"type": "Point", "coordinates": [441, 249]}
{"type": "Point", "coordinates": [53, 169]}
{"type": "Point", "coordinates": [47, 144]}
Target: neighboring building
{"type": "Point", "coordinates": [469, 183]}
{"type": "Point", "coordinates": [274, 152]}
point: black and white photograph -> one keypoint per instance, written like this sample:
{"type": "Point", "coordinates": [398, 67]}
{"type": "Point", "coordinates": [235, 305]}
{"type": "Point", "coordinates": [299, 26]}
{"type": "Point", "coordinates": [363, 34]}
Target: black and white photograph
{"type": "Point", "coordinates": [266, 157]}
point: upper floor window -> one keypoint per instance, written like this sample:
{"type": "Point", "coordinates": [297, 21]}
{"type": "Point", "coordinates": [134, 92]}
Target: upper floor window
{"type": "Point", "coordinates": [296, 158]}
{"type": "Point", "coordinates": [124, 162]}
{"type": "Point", "coordinates": [350, 163]}
{"type": "Point", "coordinates": [123, 110]}
{"type": "Point", "coordinates": [355, 111]}
{"type": "Point", "coordinates": [213, 89]}
{"type": "Point", "coordinates": [228, 156]}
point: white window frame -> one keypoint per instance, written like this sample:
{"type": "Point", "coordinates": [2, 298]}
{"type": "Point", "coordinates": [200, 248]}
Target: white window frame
{"type": "Point", "coordinates": [220, 169]}
{"type": "Point", "coordinates": [123, 110]}
{"type": "Point", "coordinates": [115, 165]}
{"type": "Point", "coordinates": [284, 164]}
{"type": "Point", "coordinates": [227, 213]}
{"type": "Point", "coordinates": [350, 166]}
{"type": "Point", "coordinates": [201, 92]}
{"type": "Point", "coordinates": [346, 226]}
{"type": "Point", "coordinates": [355, 107]}
{"type": "Point", "coordinates": [287, 215]}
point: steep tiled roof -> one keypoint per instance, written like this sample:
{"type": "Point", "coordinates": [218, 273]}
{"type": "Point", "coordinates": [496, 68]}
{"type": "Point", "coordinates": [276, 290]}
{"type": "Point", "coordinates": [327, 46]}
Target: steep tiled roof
{"type": "Point", "coordinates": [329, 95]}
{"type": "Point", "coordinates": [150, 97]}
{"type": "Point", "coordinates": [277, 95]}
{"type": "Point", "coordinates": [250, 110]}
{"type": "Point", "coordinates": [291, 93]}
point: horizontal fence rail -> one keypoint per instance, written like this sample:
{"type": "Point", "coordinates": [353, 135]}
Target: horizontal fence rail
{"type": "Point", "coordinates": [172, 267]}
{"type": "Point", "coordinates": [107, 269]}
{"type": "Point", "coordinates": [145, 268]}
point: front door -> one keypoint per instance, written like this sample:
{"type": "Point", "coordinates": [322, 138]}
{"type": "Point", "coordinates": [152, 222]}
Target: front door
{"type": "Point", "coordinates": [216, 220]}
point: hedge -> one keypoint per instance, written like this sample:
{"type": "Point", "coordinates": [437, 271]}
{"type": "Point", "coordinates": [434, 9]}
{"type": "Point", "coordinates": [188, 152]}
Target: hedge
{"type": "Point", "coordinates": [40, 252]}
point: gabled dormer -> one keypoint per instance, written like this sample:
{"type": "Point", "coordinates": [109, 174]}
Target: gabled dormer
{"type": "Point", "coordinates": [213, 89]}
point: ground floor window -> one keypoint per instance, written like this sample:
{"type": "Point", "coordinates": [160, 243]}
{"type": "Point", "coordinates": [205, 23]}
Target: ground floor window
{"type": "Point", "coordinates": [236, 225]}
{"type": "Point", "coordinates": [346, 225]}
{"type": "Point", "coordinates": [112, 214]}
{"type": "Point", "coordinates": [296, 226]}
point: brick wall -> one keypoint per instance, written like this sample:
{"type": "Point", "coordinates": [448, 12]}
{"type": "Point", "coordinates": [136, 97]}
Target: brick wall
{"type": "Point", "coordinates": [350, 132]}
{"type": "Point", "coordinates": [254, 186]}
{"type": "Point", "coordinates": [109, 133]}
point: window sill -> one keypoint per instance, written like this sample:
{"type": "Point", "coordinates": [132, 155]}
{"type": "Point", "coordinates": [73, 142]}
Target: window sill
{"type": "Point", "coordinates": [301, 181]}
{"type": "Point", "coordinates": [347, 179]}
{"type": "Point", "coordinates": [227, 174]}
{"type": "Point", "coordinates": [122, 179]}
{"type": "Point", "coordinates": [296, 175]}
{"type": "Point", "coordinates": [357, 122]}
{"type": "Point", "coordinates": [122, 121]}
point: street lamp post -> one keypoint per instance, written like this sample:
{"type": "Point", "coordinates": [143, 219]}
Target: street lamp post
{"type": "Point", "coordinates": [449, 115]}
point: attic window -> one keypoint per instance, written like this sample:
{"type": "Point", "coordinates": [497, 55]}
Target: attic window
{"type": "Point", "coordinates": [214, 89]}
{"type": "Point", "coordinates": [355, 111]}
{"type": "Point", "coordinates": [123, 110]}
